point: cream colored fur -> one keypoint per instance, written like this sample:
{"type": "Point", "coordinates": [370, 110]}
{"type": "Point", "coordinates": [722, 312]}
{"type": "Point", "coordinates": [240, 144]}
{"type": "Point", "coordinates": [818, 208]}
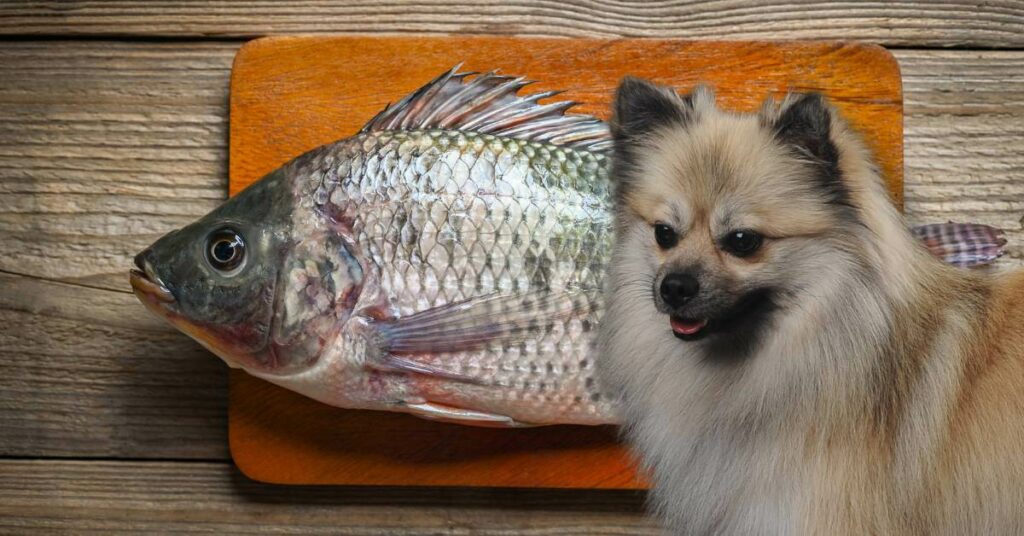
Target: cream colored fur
{"type": "Point", "coordinates": [887, 397]}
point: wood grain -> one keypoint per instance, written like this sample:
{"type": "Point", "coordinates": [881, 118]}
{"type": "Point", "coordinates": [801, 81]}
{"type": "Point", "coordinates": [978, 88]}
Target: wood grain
{"type": "Point", "coordinates": [291, 94]}
{"type": "Point", "coordinates": [83, 373]}
{"type": "Point", "coordinates": [965, 140]}
{"type": "Point", "coordinates": [44, 497]}
{"type": "Point", "coordinates": [106, 145]}
{"type": "Point", "coordinates": [990, 24]}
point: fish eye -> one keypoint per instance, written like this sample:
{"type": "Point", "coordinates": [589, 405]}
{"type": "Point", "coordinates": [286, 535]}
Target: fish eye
{"type": "Point", "coordinates": [665, 236]}
{"type": "Point", "coordinates": [742, 242]}
{"type": "Point", "coordinates": [225, 250]}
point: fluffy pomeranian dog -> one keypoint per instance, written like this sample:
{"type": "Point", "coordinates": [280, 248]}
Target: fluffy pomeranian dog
{"type": "Point", "coordinates": [790, 359]}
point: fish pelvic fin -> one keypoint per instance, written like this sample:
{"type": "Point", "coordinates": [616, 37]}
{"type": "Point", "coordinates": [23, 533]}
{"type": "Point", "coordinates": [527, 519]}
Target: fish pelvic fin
{"type": "Point", "coordinates": [489, 103]}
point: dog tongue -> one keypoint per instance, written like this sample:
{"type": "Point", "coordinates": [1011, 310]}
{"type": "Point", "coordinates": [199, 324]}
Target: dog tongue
{"type": "Point", "coordinates": [687, 327]}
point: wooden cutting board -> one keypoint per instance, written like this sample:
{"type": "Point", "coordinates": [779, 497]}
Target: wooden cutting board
{"type": "Point", "coordinates": [292, 94]}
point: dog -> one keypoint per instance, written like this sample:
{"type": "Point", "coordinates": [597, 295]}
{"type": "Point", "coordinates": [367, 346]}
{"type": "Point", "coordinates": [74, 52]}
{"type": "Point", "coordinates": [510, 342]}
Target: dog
{"type": "Point", "coordinates": [789, 359]}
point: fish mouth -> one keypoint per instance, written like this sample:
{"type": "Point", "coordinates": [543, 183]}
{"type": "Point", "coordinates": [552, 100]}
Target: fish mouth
{"type": "Point", "coordinates": [147, 285]}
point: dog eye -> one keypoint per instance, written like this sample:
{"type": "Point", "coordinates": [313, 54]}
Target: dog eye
{"type": "Point", "coordinates": [665, 236]}
{"type": "Point", "coordinates": [742, 243]}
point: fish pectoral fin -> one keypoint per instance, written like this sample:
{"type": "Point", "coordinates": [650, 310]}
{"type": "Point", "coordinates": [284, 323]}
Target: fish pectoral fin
{"type": "Point", "coordinates": [403, 344]}
{"type": "Point", "coordinates": [444, 413]}
{"type": "Point", "coordinates": [477, 322]}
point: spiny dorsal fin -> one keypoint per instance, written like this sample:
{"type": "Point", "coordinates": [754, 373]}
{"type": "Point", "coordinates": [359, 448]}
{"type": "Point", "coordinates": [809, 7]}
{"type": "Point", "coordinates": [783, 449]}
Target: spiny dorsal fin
{"type": "Point", "coordinates": [489, 104]}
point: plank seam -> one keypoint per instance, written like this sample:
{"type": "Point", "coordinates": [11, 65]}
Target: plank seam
{"type": "Point", "coordinates": [192, 39]}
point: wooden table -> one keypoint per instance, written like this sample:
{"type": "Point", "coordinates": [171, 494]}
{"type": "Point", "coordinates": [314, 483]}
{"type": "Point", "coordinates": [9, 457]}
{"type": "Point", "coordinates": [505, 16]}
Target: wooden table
{"type": "Point", "coordinates": [113, 130]}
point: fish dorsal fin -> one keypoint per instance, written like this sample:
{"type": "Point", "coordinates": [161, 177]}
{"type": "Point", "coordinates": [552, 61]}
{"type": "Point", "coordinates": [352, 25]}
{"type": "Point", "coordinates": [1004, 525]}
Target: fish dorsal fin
{"type": "Point", "coordinates": [489, 104]}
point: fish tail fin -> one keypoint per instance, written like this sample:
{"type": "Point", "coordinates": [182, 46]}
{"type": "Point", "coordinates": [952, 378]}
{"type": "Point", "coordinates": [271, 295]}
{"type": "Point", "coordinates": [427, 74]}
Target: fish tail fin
{"type": "Point", "coordinates": [962, 244]}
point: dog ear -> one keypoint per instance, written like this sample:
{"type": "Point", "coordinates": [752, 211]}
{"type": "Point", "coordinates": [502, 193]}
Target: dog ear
{"type": "Point", "coordinates": [641, 106]}
{"type": "Point", "coordinates": [804, 122]}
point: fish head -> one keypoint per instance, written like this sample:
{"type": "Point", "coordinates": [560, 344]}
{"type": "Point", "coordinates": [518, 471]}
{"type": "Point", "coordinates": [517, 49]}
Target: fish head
{"type": "Point", "coordinates": [224, 280]}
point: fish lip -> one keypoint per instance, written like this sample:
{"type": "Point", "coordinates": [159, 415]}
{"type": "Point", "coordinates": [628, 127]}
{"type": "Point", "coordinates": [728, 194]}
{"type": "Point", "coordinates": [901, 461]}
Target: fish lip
{"type": "Point", "coordinates": [144, 284]}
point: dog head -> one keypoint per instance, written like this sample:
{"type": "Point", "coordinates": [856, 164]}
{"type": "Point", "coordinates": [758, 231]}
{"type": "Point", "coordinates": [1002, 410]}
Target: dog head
{"type": "Point", "coordinates": [726, 219]}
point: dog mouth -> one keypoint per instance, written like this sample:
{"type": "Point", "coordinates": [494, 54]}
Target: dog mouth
{"type": "Point", "coordinates": [688, 328]}
{"type": "Point", "coordinates": [746, 316]}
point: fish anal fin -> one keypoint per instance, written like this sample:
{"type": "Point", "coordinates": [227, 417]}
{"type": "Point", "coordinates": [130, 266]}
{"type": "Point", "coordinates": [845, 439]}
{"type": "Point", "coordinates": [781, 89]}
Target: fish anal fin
{"type": "Point", "coordinates": [451, 414]}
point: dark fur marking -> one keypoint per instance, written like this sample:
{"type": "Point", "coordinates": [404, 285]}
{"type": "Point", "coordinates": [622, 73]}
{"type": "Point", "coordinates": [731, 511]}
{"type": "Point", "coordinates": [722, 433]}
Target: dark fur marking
{"type": "Point", "coordinates": [639, 108]}
{"type": "Point", "coordinates": [734, 335]}
{"type": "Point", "coordinates": [806, 125]}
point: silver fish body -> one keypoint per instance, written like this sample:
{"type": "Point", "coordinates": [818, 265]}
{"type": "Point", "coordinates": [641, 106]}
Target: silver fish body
{"type": "Point", "coordinates": [516, 232]}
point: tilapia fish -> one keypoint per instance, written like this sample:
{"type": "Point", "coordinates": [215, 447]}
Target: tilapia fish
{"type": "Point", "coordinates": [446, 261]}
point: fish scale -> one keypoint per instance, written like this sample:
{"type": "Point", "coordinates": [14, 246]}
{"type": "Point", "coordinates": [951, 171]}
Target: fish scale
{"type": "Point", "coordinates": [455, 204]}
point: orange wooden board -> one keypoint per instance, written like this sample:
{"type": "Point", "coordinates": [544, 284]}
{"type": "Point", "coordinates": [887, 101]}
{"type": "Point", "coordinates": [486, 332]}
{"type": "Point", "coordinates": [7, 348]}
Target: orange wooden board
{"type": "Point", "coordinates": [292, 94]}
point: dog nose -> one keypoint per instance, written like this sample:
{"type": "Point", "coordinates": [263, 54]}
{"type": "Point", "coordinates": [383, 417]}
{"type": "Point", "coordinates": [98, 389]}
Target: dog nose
{"type": "Point", "coordinates": [677, 289]}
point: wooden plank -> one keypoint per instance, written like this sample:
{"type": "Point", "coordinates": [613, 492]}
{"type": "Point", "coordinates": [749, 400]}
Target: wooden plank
{"type": "Point", "coordinates": [965, 140]}
{"type": "Point", "coordinates": [124, 140]}
{"type": "Point", "coordinates": [285, 95]}
{"type": "Point", "coordinates": [106, 145]}
{"type": "Point", "coordinates": [962, 23]}
{"type": "Point", "coordinates": [85, 372]}
{"type": "Point", "coordinates": [42, 497]}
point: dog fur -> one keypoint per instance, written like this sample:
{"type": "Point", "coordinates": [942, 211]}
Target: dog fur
{"type": "Point", "coordinates": [875, 391]}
